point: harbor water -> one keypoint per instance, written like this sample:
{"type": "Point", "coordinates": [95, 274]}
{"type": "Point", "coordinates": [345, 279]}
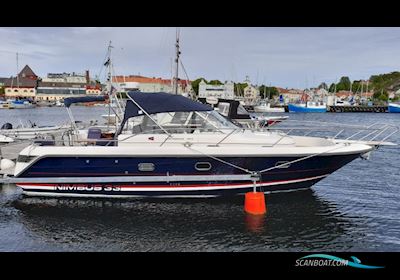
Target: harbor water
{"type": "Point", "coordinates": [354, 209]}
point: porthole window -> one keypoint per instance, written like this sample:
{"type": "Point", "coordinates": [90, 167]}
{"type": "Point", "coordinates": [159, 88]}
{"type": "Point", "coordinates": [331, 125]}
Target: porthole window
{"type": "Point", "coordinates": [202, 166]}
{"type": "Point", "coordinates": [282, 164]}
{"type": "Point", "coordinates": [146, 166]}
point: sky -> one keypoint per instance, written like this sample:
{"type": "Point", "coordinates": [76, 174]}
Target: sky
{"type": "Point", "coordinates": [298, 57]}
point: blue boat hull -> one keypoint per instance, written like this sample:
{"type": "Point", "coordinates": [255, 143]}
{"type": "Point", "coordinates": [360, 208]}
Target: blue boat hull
{"type": "Point", "coordinates": [293, 108]}
{"type": "Point", "coordinates": [394, 108]}
{"type": "Point", "coordinates": [299, 175]}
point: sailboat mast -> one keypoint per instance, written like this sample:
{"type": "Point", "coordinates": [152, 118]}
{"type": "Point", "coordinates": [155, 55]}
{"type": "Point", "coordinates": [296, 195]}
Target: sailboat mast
{"type": "Point", "coordinates": [109, 86]}
{"type": "Point", "coordinates": [176, 61]}
{"type": "Point", "coordinates": [17, 72]}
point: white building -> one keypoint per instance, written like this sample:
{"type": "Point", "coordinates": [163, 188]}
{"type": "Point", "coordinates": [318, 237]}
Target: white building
{"type": "Point", "coordinates": [147, 84]}
{"type": "Point", "coordinates": [225, 91]}
{"type": "Point", "coordinates": [67, 78]}
{"type": "Point", "coordinates": [251, 94]}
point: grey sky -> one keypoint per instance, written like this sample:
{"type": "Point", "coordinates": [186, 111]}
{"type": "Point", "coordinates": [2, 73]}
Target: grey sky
{"type": "Point", "coordinates": [286, 57]}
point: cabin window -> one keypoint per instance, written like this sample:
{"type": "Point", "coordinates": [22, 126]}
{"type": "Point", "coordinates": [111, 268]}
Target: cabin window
{"type": "Point", "coordinates": [147, 166]}
{"type": "Point", "coordinates": [22, 158]}
{"type": "Point", "coordinates": [282, 164]}
{"type": "Point", "coordinates": [202, 166]}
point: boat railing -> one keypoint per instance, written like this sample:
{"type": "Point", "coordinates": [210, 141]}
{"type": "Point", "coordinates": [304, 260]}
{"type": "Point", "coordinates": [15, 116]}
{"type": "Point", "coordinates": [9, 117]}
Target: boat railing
{"type": "Point", "coordinates": [378, 132]}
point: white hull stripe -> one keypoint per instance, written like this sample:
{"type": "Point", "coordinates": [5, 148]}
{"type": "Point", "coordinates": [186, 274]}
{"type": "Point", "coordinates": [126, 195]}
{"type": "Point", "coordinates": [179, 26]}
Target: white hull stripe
{"type": "Point", "coordinates": [177, 188]}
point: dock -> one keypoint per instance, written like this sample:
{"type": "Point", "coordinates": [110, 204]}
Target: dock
{"type": "Point", "coordinates": [357, 109]}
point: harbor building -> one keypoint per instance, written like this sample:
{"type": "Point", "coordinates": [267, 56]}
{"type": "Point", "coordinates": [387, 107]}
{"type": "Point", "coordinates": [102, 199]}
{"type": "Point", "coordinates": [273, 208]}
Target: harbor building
{"type": "Point", "coordinates": [251, 93]}
{"type": "Point", "coordinates": [57, 86]}
{"type": "Point", "coordinates": [225, 91]}
{"type": "Point", "coordinates": [146, 84]}
{"type": "Point", "coordinates": [53, 91]}
{"type": "Point", "coordinates": [2, 81]}
{"type": "Point", "coordinates": [22, 86]}
{"type": "Point", "coordinates": [290, 95]}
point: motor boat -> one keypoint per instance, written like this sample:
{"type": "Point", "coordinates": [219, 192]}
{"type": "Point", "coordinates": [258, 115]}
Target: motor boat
{"type": "Point", "coordinates": [22, 104]}
{"type": "Point", "coordinates": [5, 140]}
{"type": "Point", "coordinates": [24, 132]}
{"type": "Point", "coordinates": [394, 107]}
{"type": "Point", "coordinates": [307, 107]}
{"type": "Point", "coordinates": [265, 107]}
{"type": "Point", "coordinates": [6, 105]}
{"type": "Point", "coordinates": [178, 148]}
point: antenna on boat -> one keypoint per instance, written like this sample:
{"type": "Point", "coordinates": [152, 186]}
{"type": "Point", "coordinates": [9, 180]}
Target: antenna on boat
{"type": "Point", "coordinates": [113, 104]}
{"type": "Point", "coordinates": [177, 52]}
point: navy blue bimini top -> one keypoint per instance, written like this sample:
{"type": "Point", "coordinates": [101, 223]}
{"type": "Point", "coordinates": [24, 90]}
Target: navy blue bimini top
{"type": "Point", "coordinates": [71, 100]}
{"type": "Point", "coordinates": [161, 102]}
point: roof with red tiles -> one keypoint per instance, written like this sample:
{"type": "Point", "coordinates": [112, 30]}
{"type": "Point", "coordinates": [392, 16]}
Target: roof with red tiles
{"type": "Point", "coordinates": [145, 80]}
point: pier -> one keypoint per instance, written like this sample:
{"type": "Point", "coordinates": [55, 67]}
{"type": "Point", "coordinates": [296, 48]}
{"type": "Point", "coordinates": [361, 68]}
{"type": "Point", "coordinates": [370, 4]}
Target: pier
{"type": "Point", "coordinates": [357, 109]}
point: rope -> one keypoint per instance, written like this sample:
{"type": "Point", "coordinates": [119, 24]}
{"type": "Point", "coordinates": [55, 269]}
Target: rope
{"type": "Point", "coordinates": [221, 160]}
{"type": "Point", "coordinates": [264, 170]}
{"type": "Point", "coordinates": [300, 159]}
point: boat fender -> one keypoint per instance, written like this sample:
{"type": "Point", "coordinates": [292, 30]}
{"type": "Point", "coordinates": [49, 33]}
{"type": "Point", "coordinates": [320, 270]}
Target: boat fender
{"type": "Point", "coordinates": [6, 164]}
{"type": "Point", "coordinates": [254, 203]}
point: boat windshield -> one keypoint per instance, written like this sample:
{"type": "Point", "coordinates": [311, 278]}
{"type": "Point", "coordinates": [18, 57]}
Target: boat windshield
{"type": "Point", "coordinates": [179, 122]}
{"type": "Point", "coordinates": [241, 110]}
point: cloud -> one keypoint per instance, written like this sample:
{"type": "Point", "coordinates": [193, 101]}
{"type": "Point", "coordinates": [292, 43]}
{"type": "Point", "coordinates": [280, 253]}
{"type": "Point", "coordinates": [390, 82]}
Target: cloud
{"type": "Point", "coordinates": [287, 57]}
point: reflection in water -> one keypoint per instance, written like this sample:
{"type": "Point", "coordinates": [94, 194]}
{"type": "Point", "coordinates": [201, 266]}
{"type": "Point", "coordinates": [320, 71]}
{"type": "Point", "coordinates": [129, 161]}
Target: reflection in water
{"type": "Point", "coordinates": [255, 223]}
{"type": "Point", "coordinates": [294, 221]}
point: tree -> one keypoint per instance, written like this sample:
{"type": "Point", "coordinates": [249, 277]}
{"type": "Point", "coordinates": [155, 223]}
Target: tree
{"type": "Point", "coordinates": [344, 84]}
{"type": "Point", "coordinates": [332, 87]}
{"type": "Point", "coordinates": [270, 92]}
{"type": "Point", "coordinates": [381, 95]}
{"type": "Point", "coordinates": [215, 82]}
{"type": "Point", "coordinates": [195, 85]}
{"type": "Point", "coordinates": [239, 88]}
{"type": "Point", "coordinates": [323, 85]}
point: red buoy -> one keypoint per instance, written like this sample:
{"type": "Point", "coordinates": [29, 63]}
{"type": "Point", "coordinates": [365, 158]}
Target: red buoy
{"type": "Point", "coordinates": [254, 203]}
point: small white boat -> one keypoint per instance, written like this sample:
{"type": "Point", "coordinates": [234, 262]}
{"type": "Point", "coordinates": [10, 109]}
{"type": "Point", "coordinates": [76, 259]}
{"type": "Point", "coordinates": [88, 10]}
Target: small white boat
{"type": "Point", "coordinates": [22, 104]}
{"type": "Point", "coordinates": [59, 104]}
{"type": "Point", "coordinates": [4, 139]}
{"type": "Point", "coordinates": [6, 105]}
{"type": "Point", "coordinates": [25, 133]}
{"type": "Point", "coordinates": [265, 107]}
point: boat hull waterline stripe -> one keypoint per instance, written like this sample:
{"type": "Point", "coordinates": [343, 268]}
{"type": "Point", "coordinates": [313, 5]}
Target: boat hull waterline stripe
{"type": "Point", "coordinates": [130, 179]}
{"type": "Point", "coordinates": [31, 186]}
